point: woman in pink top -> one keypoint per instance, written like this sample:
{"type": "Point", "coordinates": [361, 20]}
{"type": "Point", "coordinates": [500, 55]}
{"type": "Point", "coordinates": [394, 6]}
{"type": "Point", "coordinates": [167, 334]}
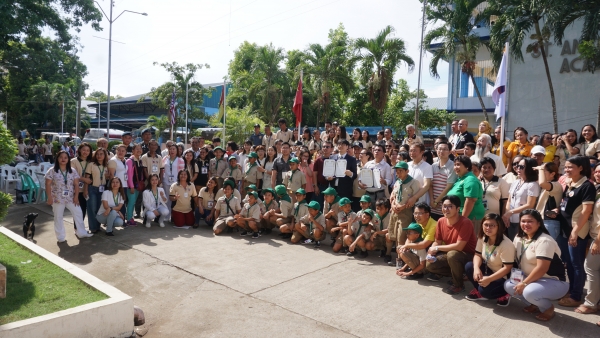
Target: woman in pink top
{"type": "Point", "coordinates": [135, 177]}
{"type": "Point", "coordinates": [306, 169]}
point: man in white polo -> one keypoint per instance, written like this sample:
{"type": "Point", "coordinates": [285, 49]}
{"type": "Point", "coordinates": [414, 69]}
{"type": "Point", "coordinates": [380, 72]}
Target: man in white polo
{"type": "Point", "coordinates": [421, 171]}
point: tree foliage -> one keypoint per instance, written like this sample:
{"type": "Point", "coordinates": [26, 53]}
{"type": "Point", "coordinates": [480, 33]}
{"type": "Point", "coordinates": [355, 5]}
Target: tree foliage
{"type": "Point", "coordinates": [239, 125]}
{"type": "Point", "coordinates": [8, 151]}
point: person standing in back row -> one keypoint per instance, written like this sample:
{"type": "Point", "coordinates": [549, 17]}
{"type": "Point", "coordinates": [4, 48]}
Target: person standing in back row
{"type": "Point", "coordinates": [284, 134]}
{"type": "Point", "coordinates": [462, 138]}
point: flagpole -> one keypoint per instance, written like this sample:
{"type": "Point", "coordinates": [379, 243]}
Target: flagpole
{"type": "Point", "coordinates": [186, 111]}
{"type": "Point", "coordinates": [300, 122]}
{"type": "Point", "coordinates": [224, 108]}
{"type": "Point", "coordinates": [171, 112]}
{"type": "Point", "coordinates": [504, 103]}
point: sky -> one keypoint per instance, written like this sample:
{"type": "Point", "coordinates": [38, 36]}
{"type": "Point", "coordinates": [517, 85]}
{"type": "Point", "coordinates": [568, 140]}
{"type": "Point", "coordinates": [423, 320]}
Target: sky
{"type": "Point", "coordinates": [208, 32]}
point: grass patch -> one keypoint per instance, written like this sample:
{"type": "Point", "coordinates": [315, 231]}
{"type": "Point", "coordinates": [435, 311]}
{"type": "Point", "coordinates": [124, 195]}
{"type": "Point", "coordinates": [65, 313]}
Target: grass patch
{"type": "Point", "coordinates": [39, 287]}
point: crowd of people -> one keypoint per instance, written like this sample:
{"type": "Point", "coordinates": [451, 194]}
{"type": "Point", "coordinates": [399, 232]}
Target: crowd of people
{"type": "Point", "coordinates": [517, 219]}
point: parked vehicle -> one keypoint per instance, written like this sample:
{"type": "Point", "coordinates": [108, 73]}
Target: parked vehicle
{"type": "Point", "coordinates": [93, 134]}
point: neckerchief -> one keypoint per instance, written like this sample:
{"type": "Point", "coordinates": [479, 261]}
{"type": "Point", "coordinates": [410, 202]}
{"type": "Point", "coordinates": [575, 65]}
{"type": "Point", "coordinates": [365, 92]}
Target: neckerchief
{"type": "Point", "coordinates": [360, 226]}
{"type": "Point", "coordinates": [297, 207]}
{"type": "Point", "coordinates": [251, 165]}
{"type": "Point", "coordinates": [381, 220]}
{"type": "Point", "coordinates": [285, 197]}
{"type": "Point", "coordinates": [217, 159]}
{"type": "Point", "coordinates": [292, 174]}
{"type": "Point", "coordinates": [311, 224]}
{"type": "Point", "coordinates": [399, 193]}
{"type": "Point", "coordinates": [268, 205]}
{"type": "Point", "coordinates": [248, 211]}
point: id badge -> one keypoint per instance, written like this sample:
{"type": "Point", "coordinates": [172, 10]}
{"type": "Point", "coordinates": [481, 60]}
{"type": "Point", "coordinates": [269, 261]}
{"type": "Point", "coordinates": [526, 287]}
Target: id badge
{"type": "Point", "coordinates": [516, 276]}
{"type": "Point", "coordinates": [210, 204]}
{"type": "Point", "coordinates": [154, 168]}
{"type": "Point", "coordinates": [563, 205]}
{"type": "Point", "coordinates": [185, 195]}
{"type": "Point", "coordinates": [101, 188]}
{"type": "Point", "coordinates": [65, 193]}
{"type": "Point", "coordinates": [125, 177]}
{"type": "Point", "coordinates": [204, 170]}
{"type": "Point", "coordinates": [171, 178]}
{"type": "Point", "coordinates": [485, 204]}
{"type": "Point", "coordinates": [80, 185]}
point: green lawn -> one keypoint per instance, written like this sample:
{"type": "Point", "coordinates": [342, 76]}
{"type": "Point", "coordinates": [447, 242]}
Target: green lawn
{"type": "Point", "coordinates": [38, 287]}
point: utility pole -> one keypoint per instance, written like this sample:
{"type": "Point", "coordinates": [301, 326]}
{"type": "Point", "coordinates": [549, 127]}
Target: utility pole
{"type": "Point", "coordinates": [420, 61]}
{"type": "Point", "coordinates": [78, 118]}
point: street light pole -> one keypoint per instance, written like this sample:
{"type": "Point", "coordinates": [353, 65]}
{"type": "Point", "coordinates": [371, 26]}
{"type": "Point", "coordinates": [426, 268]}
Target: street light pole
{"type": "Point", "coordinates": [420, 61]}
{"type": "Point", "coordinates": [110, 21]}
{"type": "Point", "coordinates": [186, 110]}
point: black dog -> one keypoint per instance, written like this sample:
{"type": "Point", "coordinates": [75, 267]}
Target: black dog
{"type": "Point", "coordinates": [29, 226]}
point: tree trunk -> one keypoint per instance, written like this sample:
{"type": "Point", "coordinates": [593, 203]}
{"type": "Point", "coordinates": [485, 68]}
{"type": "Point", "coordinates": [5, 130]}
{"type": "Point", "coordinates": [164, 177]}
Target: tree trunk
{"type": "Point", "coordinates": [485, 115]}
{"type": "Point", "coordinates": [545, 58]}
{"type": "Point", "coordinates": [382, 123]}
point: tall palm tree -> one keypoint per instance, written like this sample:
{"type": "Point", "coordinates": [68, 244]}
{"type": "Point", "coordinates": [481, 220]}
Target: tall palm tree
{"type": "Point", "coordinates": [328, 66]}
{"type": "Point", "coordinates": [267, 80]}
{"type": "Point", "coordinates": [48, 99]}
{"type": "Point", "coordinates": [456, 37]}
{"type": "Point", "coordinates": [516, 20]}
{"type": "Point", "coordinates": [380, 58]}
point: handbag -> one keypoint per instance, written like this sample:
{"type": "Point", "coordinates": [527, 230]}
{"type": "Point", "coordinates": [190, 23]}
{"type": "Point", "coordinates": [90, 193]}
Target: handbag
{"type": "Point", "coordinates": [140, 182]}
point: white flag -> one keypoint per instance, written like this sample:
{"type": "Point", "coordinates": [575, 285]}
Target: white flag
{"type": "Point", "coordinates": [499, 93]}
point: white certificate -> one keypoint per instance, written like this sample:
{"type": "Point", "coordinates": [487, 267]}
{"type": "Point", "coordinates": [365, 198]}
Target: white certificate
{"type": "Point", "coordinates": [328, 168]}
{"type": "Point", "coordinates": [377, 178]}
{"type": "Point", "coordinates": [366, 177]}
{"type": "Point", "coordinates": [340, 168]}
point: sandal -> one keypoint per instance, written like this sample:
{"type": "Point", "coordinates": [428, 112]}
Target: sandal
{"type": "Point", "coordinates": [569, 302]}
{"type": "Point", "coordinates": [531, 309]}
{"type": "Point", "coordinates": [546, 315]}
{"type": "Point", "coordinates": [586, 309]}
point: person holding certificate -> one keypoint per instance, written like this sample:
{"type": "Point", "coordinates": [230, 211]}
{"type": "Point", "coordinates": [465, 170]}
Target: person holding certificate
{"type": "Point", "coordinates": [383, 175]}
{"type": "Point", "coordinates": [345, 172]}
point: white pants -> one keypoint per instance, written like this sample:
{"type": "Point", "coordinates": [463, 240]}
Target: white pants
{"type": "Point", "coordinates": [162, 210]}
{"type": "Point", "coordinates": [167, 188]}
{"type": "Point", "coordinates": [59, 227]}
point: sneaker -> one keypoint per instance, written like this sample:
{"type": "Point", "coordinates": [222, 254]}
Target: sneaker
{"type": "Point", "coordinates": [287, 236]}
{"type": "Point", "coordinates": [387, 259]}
{"type": "Point", "coordinates": [87, 234]}
{"type": "Point", "coordinates": [381, 253]}
{"type": "Point", "coordinates": [364, 254]}
{"type": "Point", "coordinates": [131, 222]}
{"type": "Point", "coordinates": [244, 233]}
{"type": "Point", "coordinates": [308, 241]}
{"type": "Point", "coordinates": [317, 244]}
{"type": "Point", "coordinates": [475, 295]}
{"type": "Point", "coordinates": [109, 233]}
{"type": "Point", "coordinates": [453, 290]}
{"type": "Point", "coordinates": [161, 224]}
{"type": "Point", "coordinates": [353, 253]}
{"type": "Point", "coordinates": [415, 276]}
{"type": "Point", "coordinates": [255, 235]}
{"type": "Point", "coordinates": [434, 278]}
{"type": "Point", "coordinates": [148, 224]}
{"type": "Point", "coordinates": [503, 301]}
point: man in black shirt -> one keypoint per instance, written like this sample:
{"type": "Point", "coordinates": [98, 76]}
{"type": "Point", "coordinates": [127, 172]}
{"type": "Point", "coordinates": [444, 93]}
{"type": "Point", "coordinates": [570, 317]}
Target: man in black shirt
{"type": "Point", "coordinates": [146, 137]}
{"type": "Point", "coordinates": [281, 165]}
{"type": "Point", "coordinates": [464, 137]}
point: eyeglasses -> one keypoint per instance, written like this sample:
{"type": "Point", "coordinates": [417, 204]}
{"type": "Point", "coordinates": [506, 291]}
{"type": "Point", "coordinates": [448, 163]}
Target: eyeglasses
{"type": "Point", "coordinates": [520, 167]}
{"type": "Point", "coordinates": [326, 147]}
{"type": "Point", "coordinates": [388, 146]}
{"type": "Point", "coordinates": [515, 163]}
{"type": "Point", "coordinates": [488, 225]}
{"type": "Point", "coordinates": [419, 213]}
{"type": "Point", "coordinates": [447, 207]}
{"type": "Point", "coordinates": [496, 132]}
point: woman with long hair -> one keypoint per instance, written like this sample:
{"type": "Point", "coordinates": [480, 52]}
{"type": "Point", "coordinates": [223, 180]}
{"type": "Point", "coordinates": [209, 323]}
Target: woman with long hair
{"type": "Point", "coordinates": [520, 146]}
{"type": "Point", "coordinates": [485, 128]}
{"type": "Point", "coordinates": [268, 167]}
{"type": "Point", "coordinates": [522, 195]}
{"type": "Point", "coordinates": [184, 195]}
{"type": "Point", "coordinates": [316, 145]}
{"type": "Point", "coordinates": [207, 198]}
{"type": "Point", "coordinates": [243, 153]}
{"type": "Point", "coordinates": [566, 147]}
{"type": "Point", "coordinates": [357, 137]}
{"type": "Point", "coordinates": [546, 142]}
{"type": "Point", "coordinates": [512, 175]}
{"type": "Point", "coordinates": [117, 167]}
{"type": "Point", "coordinates": [62, 186]}
{"type": "Point", "coordinates": [172, 166]}
{"type": "Point", "coordinates": [576, 208]}
{"type": "Point", "coordinates": [97, 173]}
{"type": "Point", "coordinates": [340, 134]}
{"type": "Point", "coordinates": [155, 202]}
{"type": "Point", "coordinates": [306, 137]}
{"type": "Point", "coordinates": [550, 197]}
{"type": "Point", "coordinates": [306, 169]}
{"type": "Point", "coordinates": [180, 149]}
{"type": "Point", "coordinates": [203, 163]}
{"type": "Point", "coordinates": [366, 137]}
{"type": "Point", "coordinates": [80, 164]}
{"type": "Point", "coordinates": [113, 200]}
{"type": "Point", "coordinates": [190, 165]}
{"type": "Point", "coordinates": [589, 143]}
{"type": "Point", "coordinates": [136, 179]}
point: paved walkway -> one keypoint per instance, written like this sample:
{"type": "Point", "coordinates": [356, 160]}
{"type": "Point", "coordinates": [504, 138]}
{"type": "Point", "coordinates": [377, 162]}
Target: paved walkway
{"type": "Point", "coordinates": [192, 284]}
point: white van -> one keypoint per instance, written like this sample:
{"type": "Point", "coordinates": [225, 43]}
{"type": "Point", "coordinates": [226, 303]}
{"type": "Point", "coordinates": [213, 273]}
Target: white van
{"type": "Point", "coordinates": [93, 134]}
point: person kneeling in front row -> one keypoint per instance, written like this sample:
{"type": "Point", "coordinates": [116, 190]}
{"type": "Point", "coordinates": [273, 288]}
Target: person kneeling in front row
{"type": "Point", "coordinates": [458, 236]}
{"type": "Point", "coordinates": [494, 258]}
{"type": "Point", "coordinates": [413, 258]}
{"type": "Point", "coordinates": [541, 274]}
{"type": "Point", "coordinates": [226, 207]}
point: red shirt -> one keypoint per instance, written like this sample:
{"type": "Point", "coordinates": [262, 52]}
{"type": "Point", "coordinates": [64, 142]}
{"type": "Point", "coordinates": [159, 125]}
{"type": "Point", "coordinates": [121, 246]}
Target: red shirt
{"type": "Point", "coordinates": [318, 168]}
{"type": "Point", "coordinates": [461, 231]}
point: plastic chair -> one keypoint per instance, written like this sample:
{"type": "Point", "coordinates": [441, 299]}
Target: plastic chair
{"type": "Point", "coordinates": [9, 175]}
{"type": "Point", "coordinates": [41, 191]}
{"type": "Point", "coordinates": [44, 166]}
{"type": "Point", "coordinates": [21, 166]}
{"type": "Point", "coordinates": [31, 170]}
{"type": "Point", "coordinates": [27, 184]}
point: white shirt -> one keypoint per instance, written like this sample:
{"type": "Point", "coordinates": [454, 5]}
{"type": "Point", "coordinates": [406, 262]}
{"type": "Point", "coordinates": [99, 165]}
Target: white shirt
{"type": "Point", "coordinates": [150, 201]}
{"type": "Point", "coordinates": [386, 172]}
{"type": "Point", "coordinates": [121, 171]}
{"type": "Point", "coordinates": [108, 196]}
{"type": "Point", "coordinates": [500, 168]}
{"type": "Point", "coordinates": [421, 172]}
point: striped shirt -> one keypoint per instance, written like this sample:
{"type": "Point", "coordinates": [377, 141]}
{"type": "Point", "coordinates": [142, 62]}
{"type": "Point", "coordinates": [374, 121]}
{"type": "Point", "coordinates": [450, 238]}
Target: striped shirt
{"type": "Point", "coordinates": [442, 175]}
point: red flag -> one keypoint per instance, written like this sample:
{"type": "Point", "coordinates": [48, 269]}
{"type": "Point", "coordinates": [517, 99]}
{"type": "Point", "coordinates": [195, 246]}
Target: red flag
{"type": "Point", "coordinates": [297, 108]}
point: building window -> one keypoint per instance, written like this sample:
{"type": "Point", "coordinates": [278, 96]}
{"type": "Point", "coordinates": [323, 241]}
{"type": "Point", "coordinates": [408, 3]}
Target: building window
{"type": "Point", "coordinates": [484, 78]}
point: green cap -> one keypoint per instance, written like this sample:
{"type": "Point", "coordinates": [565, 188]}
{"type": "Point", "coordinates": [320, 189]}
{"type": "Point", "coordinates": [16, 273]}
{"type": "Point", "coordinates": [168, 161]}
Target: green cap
{"type": "Point", "coordinates": [330, 191]}
{"type": "Point", "coordinates": [294, 160]}
{"type": "Point", "coordinates": [314, 205]}
{"type": "Point", "coordinates": [369, 212]}
{"type": "Point", "coordinates": [365, 198]}
{"type": "Point", "coordinates": [415, 227]}
{"type": "Point", "coordinates": [232, 157]}
{"type": "Point", "coordinates": [343, 201]}
{"type": "Point", "coordinates": [253, 154]}
{"type": "Point", "coordinates": [301, 191]}
{"type": "Point", "coordinates": [401, 165]}
{"type": "Point", "coordinates": [253, 193]}
{"type": "Point", "coordinates": [281, 190]}
{"type": "Point", "coordinates": [228, 183]}
{"type": "Point", "coordinates": [269, 190]}
{"type": "Point", "coordinates": [251, 186]}
{"type": "Point", "coordinates": [218, 148]}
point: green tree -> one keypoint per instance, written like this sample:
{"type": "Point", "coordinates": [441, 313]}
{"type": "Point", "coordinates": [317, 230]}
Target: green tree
{"type": "Point", "coordinates": [516, 20]}
{"type": "Point", "coordinates": [380, 57]}
{"type": "Point", "coordinates": [239, 125]}
{"type": "Point", "coordinates": [8, 151]}
{"type": "Point", "coordinates": [239, 75]}
{"type": "Point", "coordinates": [100, 96]}
{"type": "Point", "coordinates": [456, 37]}
{"type": "Point", "coordinates": [161, 123]}
{"type": "Point", "coordinates": [268, 80]}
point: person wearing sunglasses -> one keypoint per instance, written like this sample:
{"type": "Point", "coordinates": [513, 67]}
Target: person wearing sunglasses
{"type": "Point", "coordinates": [522, 195]}
{"type": "Point", "coordinates": [512, 175]}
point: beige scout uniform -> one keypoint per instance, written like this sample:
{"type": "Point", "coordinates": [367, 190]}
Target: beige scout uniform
{"type": "Point", "coordinates": [294, 180]}
{"type": "Point", "coordinates": [404, 218]}
{"type": "Point", "coordinates": [358, 228]}
{"type": "Point", "coordinates": [184, 202]}
{"type": "Point", "coordinates": [216, 168]}
{"type": "Point", "coordinates": [152, 164]}
{"type": "Point", "coordinates": [380, 224]}
{"type": "Point", "coordinates": [225, 213]}
{"type": "Point", "coordinates": [97, 174]}
{"type": "Point", "coordinates": [271, 206]}
{"type": "Point", "coordinates": [287, 210]}
{"type": "Point", "coordinates": [251, 174]}
{"type": "Point", "coordinates": [252, 211]}
{"type": "Point", "coordinates": [268, 141]}
{"type": "Point", "coordinates": [284, 136]}
{"type": "Point", "coordinates": [81, 168]}
{"type": "Point", "coordinates": [335, 207]}
{"type": "Point", "coordinates": [310, 233]}
{"type": "Point", "coordinates": [234, 172]}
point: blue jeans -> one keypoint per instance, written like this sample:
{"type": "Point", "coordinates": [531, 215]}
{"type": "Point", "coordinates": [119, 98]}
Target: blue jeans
{"type": "Point", "coordinates": [574, 257]}
{"type": "Point", "coordinates": [553, 227]}
{"type": "Point", "coordinates": [111, 221]}
{"type": "Point", "coordinates": [93, 204]}
{"type": "Point", "coordinates": [494, 290]}
{"type": "Point", "coordinates": [131, 198]}
{"type": "Point", "coordinates": [539, 293]}
{"type": "Point", "coordinates": [204, 215]}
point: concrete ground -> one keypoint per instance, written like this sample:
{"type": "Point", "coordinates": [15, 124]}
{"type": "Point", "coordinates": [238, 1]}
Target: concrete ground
{"type": "Point", "coordinates": [192, 284]}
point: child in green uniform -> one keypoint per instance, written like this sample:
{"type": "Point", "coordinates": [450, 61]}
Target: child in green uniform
{"type": "Point", "coordinates": [345, 218]}
{"type": "Point", "coordinates": [294, 179]}
{"type": "Point", "coordinates": [359, 233]}
{"type": "Point", "coordinates": [233, 170]}
{"type": "Point", "coordinates": [415, 262]}
{"type": "Point", "coordinates": [312, 225]}
{"type": "Point", "coordinates": [284, 216]}
{"type": "Point", "coordinates": [251, 173]}
{"type": "Point", "coordinates": [269, 220]}
{"type": "Point", "coordinates": [331, 208]}
{"type": "Point", "coordinates": [249, 218]}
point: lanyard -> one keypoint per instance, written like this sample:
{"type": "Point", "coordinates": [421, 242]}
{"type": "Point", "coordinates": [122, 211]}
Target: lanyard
{"type": "Point", "coordinates": [115, 198]}
{"type": "Point", "coordinates": [488, 255]}
{"type": "Point", "coordinates": [82, 167]}
{"type": "Point", "coordinates": [523, 249]}
{"type": "Point", "coordinates": [156, 197]}
{"type": "Point", "coordinates": [486, 186]}
{"type": "Point", "coordinates": [171, 165]}
{"type": "Point", "coordinates": [64, 176]}
{"type": "Point", "coordinates": [514, 194]}
{"type": "Point", "coordinates": [102, 174]}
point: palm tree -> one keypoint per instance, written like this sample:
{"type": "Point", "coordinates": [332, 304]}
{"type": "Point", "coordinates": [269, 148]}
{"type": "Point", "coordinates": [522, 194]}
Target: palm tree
{"type": "Point", "coordinates": [456, 37]}
{"type": "Point", "coordinates": [267, 80]}
{"type": "Point", "coordinates": [328, 66]}
{"type": "Point", "coordinates": [516, 20]}
{"type": "Point", "coordinates": [48, 100]}
{"type": "Point", "coordinates": [161, 123]}
{"type": "Point", "coordinates": [380, 58]}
